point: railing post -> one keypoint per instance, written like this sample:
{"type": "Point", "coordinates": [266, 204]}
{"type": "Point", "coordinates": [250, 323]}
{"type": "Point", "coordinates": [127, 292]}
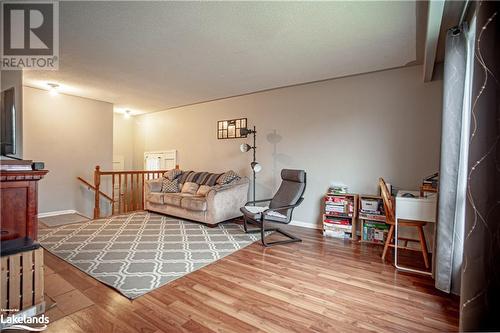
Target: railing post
{"type": "Point", "coordinates": [97, 183]}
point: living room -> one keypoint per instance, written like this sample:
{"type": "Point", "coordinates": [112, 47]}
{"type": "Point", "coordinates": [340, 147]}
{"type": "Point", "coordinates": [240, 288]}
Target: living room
{"type": "Point", "coordinates": [143, 150]}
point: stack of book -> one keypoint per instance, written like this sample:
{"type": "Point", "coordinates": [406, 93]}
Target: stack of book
{"type": "Point", "coordinates": [375, 232]}
{"type": "Point", "coordinates": [372, 209]}
{"type": "Point", "coordinates": [338, 206]}
{"type": "Point", "coordinates": [338, 189]}
{"type": "Point", "coordinates": [15, 165]}
{"type": "Point", "coordinates": [430, 183]}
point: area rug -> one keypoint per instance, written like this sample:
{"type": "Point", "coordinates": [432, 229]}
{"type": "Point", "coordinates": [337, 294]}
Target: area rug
{"type": "Point", "coordinates": [140, 252]}
{"type": "Point", "coordinates": [58, 220]}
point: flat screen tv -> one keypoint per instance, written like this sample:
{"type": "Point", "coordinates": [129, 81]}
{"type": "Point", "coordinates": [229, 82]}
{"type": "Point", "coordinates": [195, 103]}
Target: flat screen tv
{"type": "Point", "coordinates": [8, 123]}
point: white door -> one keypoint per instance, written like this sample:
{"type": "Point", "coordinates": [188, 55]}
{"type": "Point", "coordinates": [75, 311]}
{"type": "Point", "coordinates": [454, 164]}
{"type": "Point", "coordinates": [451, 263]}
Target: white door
{"type": "Point", "coordinates": [160, 160]}
{"type": "Point", "coordinates": [118, 163]}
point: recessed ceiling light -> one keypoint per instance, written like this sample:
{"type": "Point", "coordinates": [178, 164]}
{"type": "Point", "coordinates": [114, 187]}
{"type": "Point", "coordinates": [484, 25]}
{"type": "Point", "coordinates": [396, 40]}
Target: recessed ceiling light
{"type": "Point", "coordinates": [53, 90]}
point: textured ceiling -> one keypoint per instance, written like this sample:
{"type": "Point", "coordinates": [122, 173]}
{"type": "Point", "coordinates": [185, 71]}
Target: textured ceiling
{"type": "Point", "coordinates": [150, 56]}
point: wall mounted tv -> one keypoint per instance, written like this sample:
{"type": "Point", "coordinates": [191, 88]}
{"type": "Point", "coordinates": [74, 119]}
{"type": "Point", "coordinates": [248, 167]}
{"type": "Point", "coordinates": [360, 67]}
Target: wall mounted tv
{"type": "Point", "coordinates": [8, 123]}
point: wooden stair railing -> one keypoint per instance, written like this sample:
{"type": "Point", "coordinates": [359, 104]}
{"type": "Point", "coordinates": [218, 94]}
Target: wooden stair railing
{"type": "Point", "coordinates": [127, 189]}
{"type": "Point", "coordinates": [90, 186]}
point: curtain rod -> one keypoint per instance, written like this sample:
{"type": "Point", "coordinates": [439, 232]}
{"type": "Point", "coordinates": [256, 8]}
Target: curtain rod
{"type": "Point", "coordinates": [464, 11]}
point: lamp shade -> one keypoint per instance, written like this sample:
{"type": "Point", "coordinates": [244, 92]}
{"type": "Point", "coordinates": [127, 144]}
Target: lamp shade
{"type": "Point", "coordinates": [256, 166]}
{"type": "Point", "coordinates": [245, 131]}
{"type": "Point", "coordinates": [245, 147]}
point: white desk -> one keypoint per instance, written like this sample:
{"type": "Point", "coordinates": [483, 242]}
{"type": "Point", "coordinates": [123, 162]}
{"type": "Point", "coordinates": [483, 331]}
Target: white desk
{"type": "Point", "coordinates": [416, 209]}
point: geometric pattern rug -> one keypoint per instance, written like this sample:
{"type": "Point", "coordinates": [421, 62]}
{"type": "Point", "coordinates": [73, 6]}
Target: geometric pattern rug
{"type": "Point", "coordinates": [139, 252]}
{"type": "Point", "coordinates": [58, 220]}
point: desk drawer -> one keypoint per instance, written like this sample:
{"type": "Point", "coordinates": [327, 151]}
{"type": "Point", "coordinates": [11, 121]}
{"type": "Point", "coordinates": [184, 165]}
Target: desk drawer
{"type": "Point", "coordinates": [415, 209]}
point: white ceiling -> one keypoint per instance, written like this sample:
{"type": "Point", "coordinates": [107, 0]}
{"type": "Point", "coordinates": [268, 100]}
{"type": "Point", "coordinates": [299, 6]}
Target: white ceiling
{"type": "Point", "coordinates": [150, 56]}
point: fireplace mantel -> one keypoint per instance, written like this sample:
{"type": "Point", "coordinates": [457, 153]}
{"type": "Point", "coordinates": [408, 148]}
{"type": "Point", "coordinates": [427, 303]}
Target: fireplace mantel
{"type": "Point", "coordinates": [19, 201]}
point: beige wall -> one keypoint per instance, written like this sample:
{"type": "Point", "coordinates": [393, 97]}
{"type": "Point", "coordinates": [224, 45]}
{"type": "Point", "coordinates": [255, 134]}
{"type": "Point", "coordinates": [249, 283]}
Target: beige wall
{"type": "Point", "coordinates": [14, 79]}
{"type": "Point", "coordinates": [71, 135]}
{"type": "Point", "coordinates": [350, 130]}
{"type": "Point", "coordinates": [123, 139]}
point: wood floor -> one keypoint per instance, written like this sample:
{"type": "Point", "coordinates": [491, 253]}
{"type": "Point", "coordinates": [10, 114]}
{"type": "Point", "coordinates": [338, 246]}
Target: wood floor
{"type": "Point", "coordinates": [319, 285]}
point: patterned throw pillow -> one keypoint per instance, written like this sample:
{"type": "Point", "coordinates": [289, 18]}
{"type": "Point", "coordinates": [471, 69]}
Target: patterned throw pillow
{"type": "Point", "coordinates": [227, 177]}
{"type": "Point", "coordinates": [203, 190]}
{"type": "Point", "coordinates": [190, 188]}
{"type": "Point", "coordinates": [172, 174]}
{"type": "Point", "coordinates": [170, 186]}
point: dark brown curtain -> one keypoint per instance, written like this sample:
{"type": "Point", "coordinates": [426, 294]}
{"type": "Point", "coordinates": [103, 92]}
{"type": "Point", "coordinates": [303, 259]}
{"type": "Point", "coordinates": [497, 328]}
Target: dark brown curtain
{"type": "Point", "coordinates": [480, 287]}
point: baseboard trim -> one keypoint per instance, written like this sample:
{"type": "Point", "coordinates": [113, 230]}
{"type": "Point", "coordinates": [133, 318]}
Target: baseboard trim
{"type": "Point", "coordinates": [304, 224]}
{"type": "Point", "coordinates": [58, 212]}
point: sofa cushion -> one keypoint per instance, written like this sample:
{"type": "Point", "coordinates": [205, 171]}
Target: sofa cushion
{"type": "Point", "coordinates": [172, 174]}
{"type": "Point", "coordinates": [203, 190]}
{"type": "Point", "coordinates": [183, 177]}
{"type": "Point", "coordinates": [255, 212]}
{"type": "Point", "coordinates": [156, 198]}
{"type": "Point", "coordinates": [190, 187]}
{"type": "Point", "coordinates": [173, 199]}
{"type": "Point", "coordinates": [227, 177]}
{"type": "Point", "coordinates": [200, 176]}
{"type": "Point", "coordinates": [170, 186]}
{"type": "Point", "coordinates": [209, 179]}
{"type": "Point", "coordinates": [194, 203]}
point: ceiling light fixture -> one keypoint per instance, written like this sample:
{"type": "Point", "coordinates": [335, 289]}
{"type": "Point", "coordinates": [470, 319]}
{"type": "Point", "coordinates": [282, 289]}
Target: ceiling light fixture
{"type": "Point", "coordinates": [53, 90]}
{"type": "Point", "coordinates": [127, 114]}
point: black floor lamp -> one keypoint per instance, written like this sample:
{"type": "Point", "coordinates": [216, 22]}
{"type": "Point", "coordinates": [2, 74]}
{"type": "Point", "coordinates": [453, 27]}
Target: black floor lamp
{"type": "Point", "coordinates": [256, 167]}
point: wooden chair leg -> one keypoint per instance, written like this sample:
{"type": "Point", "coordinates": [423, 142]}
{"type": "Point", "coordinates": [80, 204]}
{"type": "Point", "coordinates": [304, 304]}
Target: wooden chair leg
{"type": "Point", "coordinates": [423, 245]}
{"type": "Point", "coordinates": [388, 241]}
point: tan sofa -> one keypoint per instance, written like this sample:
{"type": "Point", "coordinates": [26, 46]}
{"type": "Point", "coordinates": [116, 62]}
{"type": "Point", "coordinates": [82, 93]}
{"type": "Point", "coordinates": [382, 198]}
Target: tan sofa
{"type": "Point", "coordinates": [222, 202]}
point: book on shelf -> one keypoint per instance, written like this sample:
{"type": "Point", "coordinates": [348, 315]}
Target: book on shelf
{"type": "Point", "coordinates": [337, 214]}
{"type": "Point", "coordinates": [337, 221]}
{"type": "Point", "coordinates": [431, 180]}
{"type": "Point", "coordinates": [334, 206]}
{"type": "Point", "coordinates": [373, 217]}
{"type": "Point", "coordinates": [370, 212]}
{"type": "Point", "coordinates": [374, 235]}
{"type": "Point", "coordinates": [375, 232]}
{"type": "Point", "coordinates": [15, 165]}
{"type": "Point", "coordinates": [329, 226]}
{"type": "Point", "coordinates": [338, 209]}
{"type": "Point", "coordinates": [337, 199]}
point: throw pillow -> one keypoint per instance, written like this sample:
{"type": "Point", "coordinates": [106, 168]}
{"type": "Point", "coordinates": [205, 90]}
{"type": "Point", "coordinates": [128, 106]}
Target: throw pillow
{"type": "Point", "coordinates": [203, 190]}
{"type": "Point", "coordinates": [183, 177]}
{"type": "Point", "coordinates": [172, 174]}
{"type": "Point", "coordinates": [209, 179]}
{"type": "Point", "coordinates": [227, 177]}
{"type": "Point", "coordinates": [190, 188]}
{"type": "Point", "coordinates": [170, 186]}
